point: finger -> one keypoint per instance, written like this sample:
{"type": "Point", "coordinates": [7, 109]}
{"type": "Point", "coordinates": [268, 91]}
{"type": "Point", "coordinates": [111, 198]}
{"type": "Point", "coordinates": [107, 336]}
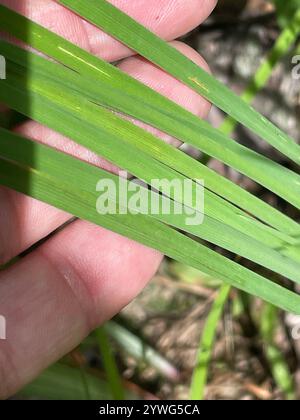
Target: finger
{"type": "Point", "coordinates": [168, 18]}
{"type": "Point", "coordinates": [24, 221]}
{"type": "Point", "coordinates": [55, 296]}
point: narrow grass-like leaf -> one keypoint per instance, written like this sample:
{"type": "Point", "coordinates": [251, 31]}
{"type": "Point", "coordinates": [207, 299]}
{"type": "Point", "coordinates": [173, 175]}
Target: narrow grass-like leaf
{"type": "Point", "coordinates": [214, 207]}
{"type": "Point", "coordinates": [116, 23]}
{"type": "Point", "coordinates": [128, 95]}
{"type": "Point", "coordinates": [278, 365]}
{"type": "Point", "coordinates": [50, 100]}
{"type": "Point", "coordinates": [227, 238]}
{"type": "Point", "coordinates": [285, 11]}
{"type": "Point", "coordinates": [138, 349]}
{"type": "Point", "coordinates": [110, 365]}
{"type": "Point", "coordinates": [59, 191]}
{"type": "Point", "coordinates": [17, 149]}
{"type": "Point", "coordinates": [120, 141]}
{"type": "Point", "coordinates": [165, 153]}
{"type": "Point", "coordinates": [62, 382]}
{"type": "Point", "coordinates": [200, 373]}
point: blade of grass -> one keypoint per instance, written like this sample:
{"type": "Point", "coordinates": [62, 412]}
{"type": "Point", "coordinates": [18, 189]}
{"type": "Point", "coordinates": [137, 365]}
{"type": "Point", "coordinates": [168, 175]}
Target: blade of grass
{"type": "Point", "coordinates": [135, 346]}
{"type": "Point", "coordinates": [48, 110]}
{"type": "Point", "coordinates": [278, 365]}
{"type": "Point", "coordinates": [199, 378]}
{"type": "Point", "coordinates": [85, 381]}
{"type": "Point", "coordinates": [110, 365]}
{"type": "Point", "coordinates": [241, 245]}
{"type": "Point", "coordinates": [170, 118]}
{"type": "Point", "coordinates": [285, 11]}
{"type": "Point", "coordinates": [67, 196]}
{"type": "Point", "coordinates": [62, 382]}
{"type": "Point", "coordinates": [165, 153]}
{"type": "Point", "coordinates": [12, 147]}
{"type": "Point", "coordinates": [122, 27]}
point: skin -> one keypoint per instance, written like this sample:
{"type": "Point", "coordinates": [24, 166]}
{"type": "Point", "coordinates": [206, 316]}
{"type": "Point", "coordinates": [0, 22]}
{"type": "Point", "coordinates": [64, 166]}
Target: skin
{"type": "Point", "coordinates": [55, 296]}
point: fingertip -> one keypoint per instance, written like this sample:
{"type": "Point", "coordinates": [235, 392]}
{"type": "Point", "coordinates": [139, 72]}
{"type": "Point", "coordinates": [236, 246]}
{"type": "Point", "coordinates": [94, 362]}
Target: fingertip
{"type": "Point", "coordinates": [169, 19]}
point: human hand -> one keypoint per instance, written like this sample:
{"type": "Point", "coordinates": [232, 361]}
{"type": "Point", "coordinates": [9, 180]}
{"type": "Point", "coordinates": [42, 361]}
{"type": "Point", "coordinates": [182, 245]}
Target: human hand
{"type": "Point", "coordinates": [83, 275]}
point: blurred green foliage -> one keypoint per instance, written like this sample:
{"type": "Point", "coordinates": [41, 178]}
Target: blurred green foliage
{"type": "Point", "coordinates": [285, 10]}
